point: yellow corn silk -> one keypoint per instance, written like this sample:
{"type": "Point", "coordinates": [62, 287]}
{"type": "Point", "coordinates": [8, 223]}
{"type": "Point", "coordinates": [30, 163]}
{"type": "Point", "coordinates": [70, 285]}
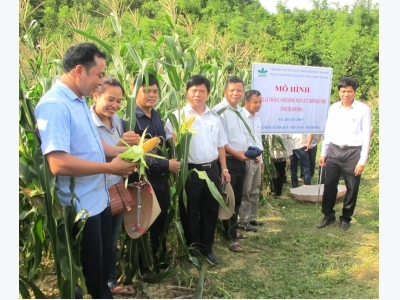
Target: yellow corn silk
{"type": "Point", "coordinates": [137, 153]}
{"type": "Point", "coordinates": [186, 126]}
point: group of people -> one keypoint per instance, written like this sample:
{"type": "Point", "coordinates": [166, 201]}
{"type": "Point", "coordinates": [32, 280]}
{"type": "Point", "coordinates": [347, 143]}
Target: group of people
{"type": "Point", "coordinates": [83, 143]}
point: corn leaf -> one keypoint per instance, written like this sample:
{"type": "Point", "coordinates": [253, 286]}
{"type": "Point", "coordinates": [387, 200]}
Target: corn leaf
{"type": "Point", "coordinates": [200, 284]}
{"type": "Point", "coordinates": [24, 284]}
{"type": "Point", "coordinates": [240, 117]}
{"type": "Point", "coordinates": [211, 186]}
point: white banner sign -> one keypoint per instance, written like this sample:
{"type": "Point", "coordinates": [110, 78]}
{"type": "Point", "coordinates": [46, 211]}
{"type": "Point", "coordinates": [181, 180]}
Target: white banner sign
{"type": "Point", "coordinates": [295, 99]}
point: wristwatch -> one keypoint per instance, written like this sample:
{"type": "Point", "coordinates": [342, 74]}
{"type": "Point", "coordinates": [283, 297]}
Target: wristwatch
{"type": "Point", "coordinates": [225, 170]}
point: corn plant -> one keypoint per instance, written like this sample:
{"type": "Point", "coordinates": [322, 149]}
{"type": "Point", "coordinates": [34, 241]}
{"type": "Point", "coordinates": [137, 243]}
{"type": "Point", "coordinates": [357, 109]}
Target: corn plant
{"type": "Point", "coordinates": [173, 65]}
{"type": "Point", "coordinates": [373, 157]}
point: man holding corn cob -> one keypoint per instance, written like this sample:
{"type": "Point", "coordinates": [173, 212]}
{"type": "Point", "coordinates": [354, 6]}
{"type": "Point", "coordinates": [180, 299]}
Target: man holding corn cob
{"type": "Point", "coordinates": [157, 172]}
{"type": "Point", "coordinates": [74, 150]}
{"type": "Point", "coordinates": [206, 153]}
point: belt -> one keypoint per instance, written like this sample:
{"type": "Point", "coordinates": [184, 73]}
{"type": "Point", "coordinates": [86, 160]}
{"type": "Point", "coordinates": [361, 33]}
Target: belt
{"type": "Point", "coordinates": [344, 147]}
{"type": "Point", "coordinates": [202, 167]}
{"type": "Point", "coordinates": [231, 157]}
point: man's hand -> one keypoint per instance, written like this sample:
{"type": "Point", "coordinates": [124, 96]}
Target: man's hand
{"type": "Point", "coordinates": [225, 177]}
{"type": "Point", "coordinates": [121, 167]}
{"type": "Point", "coordinates": [257, 159]}
{"type": "Point", "coordinates": [174, 165]}
{"type": "Point", "coordinates": [130, 138]}
{"type": "Point", "coordinates": [322, 160]}
{"type": "Point", "coordinates": [359, 169]}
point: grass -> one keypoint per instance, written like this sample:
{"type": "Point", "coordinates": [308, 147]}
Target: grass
{"type": "Point", "coordinates": [289, 258]}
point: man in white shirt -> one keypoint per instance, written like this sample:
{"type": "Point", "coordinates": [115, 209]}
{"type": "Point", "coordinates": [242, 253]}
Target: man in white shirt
{"type": "Point", "coordinates": [238, 143]}
{"type": "Point", "coordinates": [252, 182]}
{"type": "Point", "coordinates": [206, 153]}
{"type": "Point", "coordinates": [344, 151]}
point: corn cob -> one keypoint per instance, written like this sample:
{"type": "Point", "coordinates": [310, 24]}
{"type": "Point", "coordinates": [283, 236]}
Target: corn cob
{"type": "Point", "coordinates": [150, 144]}
{"type": "Point", "coordinates": [190, 121]}
{"type": "Point", "coordinates": [186, 125]}
{"type": "Point", "coordinates": [136, 153]}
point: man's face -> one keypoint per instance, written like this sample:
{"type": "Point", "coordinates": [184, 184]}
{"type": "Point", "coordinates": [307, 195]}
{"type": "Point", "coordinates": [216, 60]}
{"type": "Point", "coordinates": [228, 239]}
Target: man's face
{"type": "Point", "coordinates": [234, 93]}
{"type": "Point", "coordinates": [254, 104]}
{"type": "Point", "coordinates": [147, 97]}
{"type": "Point", "coordinates": [89, 81]}
{"type": "Point", "coordinates": [347, 95]}
{"type": "Point", "coordinates": [197, 96]}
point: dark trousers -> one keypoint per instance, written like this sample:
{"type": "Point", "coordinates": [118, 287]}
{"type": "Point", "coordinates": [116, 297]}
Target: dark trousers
{"type": "Point", "coordinates": [96, 247]}
{"type": "Point", "coordinates": [341, 161]}
{"type": "Point", "coordinates": [300, 156]}
{"type": "Point", "coordinates": [312, 155]}
{"type": "Point", "coordinates": [279, 177]}
{"type": "Point", "coordinates": [199, 218]}
{"type": "Point", "coordinates": [161, 190]}
{"type": "Point", "coordinates": [237, 170]}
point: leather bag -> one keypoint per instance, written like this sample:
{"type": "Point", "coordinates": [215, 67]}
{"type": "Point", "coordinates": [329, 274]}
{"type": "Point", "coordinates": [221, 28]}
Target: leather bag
{"type": "Point", "coordinates": [121, 198]}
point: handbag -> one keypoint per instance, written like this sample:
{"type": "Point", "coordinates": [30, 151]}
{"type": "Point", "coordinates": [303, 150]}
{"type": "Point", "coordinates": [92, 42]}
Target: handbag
{"type": "Point", "coordinates": [121, 198]}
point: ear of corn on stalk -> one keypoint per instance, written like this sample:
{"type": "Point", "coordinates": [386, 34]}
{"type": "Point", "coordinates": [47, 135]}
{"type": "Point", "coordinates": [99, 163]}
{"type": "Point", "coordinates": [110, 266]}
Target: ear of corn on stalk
{"type": "Point", "coordinates": [186, 125]}
{"type": "Point", "coordinates": [137, 153]}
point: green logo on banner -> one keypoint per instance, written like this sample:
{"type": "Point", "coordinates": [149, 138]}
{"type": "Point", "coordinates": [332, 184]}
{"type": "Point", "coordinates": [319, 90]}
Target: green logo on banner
{"type": "Point", "coordinates": [262, 72]}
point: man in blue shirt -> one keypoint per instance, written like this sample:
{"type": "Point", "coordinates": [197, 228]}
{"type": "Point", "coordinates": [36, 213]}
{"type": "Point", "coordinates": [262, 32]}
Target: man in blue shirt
{"type": "Point", "coordinates": [73, 148]}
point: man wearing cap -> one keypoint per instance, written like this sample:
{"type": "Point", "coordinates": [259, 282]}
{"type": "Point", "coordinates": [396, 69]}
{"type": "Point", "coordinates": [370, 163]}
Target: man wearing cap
{"type": "Point", "coordinates": [344, 151]}
{"type": "Point", "coordinates": [206, 153]}
{"type": "Point", "coordinates": [238, 143]}
{"type": "Point", "coordinates": [254, 167]}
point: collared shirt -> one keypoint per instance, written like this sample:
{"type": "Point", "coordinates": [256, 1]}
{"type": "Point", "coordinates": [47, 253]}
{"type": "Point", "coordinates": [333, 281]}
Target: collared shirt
{"type": "Point", "coordinates": [154, 127]}
{"type": "Point", "coordinates": [111, 137]}
{"type": "Point", "coordinates": [65, 124]}
{"type": "Point", "coordinates": [314, 141]}
{"type": "Point", "coordinates": [210, 135]}
{"type": "Point", "coordinates": [254, 123]}
{"type": "Point", "coordinates": [235, 130]}
{"type": "Point", "coordinates": [348, 126]}
{"type": "Point", "coordinates": [299, 140]}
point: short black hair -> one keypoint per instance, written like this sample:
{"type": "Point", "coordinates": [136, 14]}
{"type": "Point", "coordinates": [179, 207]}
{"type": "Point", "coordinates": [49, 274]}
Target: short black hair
{"type": "Point", "coordinates": [111, 81]}
{"type": "Point", "coordinates": [81, 54]}
{"type": "Point", "coordinates": [234, 79]}
{"type": "Point", "coordinates": [152, 80]}
{"type": "Point", "coordinates": [251, 93]}
{"type": "Point", "coordinates": [198, 80]}
{"type": "Point", "coordinates": [348, 81]}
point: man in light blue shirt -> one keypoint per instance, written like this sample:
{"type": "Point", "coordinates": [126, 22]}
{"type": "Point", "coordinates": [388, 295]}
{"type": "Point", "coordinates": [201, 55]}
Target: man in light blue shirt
{"type": "Point", "coordinates": [73, 148]}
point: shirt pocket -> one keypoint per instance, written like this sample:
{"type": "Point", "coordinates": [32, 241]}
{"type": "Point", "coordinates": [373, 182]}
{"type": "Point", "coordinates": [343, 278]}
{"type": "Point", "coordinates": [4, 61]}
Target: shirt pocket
{"type": "Point", "coordinates": [212, 131]}
{"type": "Point", "coordinates": [354, 125]}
